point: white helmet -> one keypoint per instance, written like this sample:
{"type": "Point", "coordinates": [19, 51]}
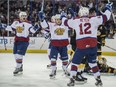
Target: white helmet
{"type": "Point", "coordinates": [83, 11]}
{"type": "Point", "coordinates": [22, 14]}
{"type": "Point", "coordinates": [57, 16]}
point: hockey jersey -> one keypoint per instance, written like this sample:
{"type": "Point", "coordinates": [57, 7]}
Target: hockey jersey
{"type": "Point", "coordinates": [59, 33]}
{"type": "Point", "coordinates": [21, 29]}
{"type": "Point", "coordinates": [86, 29]}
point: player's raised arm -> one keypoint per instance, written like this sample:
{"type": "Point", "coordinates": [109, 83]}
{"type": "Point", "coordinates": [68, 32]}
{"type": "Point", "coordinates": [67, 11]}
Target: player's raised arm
{"type": "Point", "coordinates": [43, 22]}
{"type": "Point", "coordinates": [108, 9]}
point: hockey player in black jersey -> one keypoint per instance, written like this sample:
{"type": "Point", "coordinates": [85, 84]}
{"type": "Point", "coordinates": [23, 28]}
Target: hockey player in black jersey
{"type": "Point", "coordinates": [101, 34]}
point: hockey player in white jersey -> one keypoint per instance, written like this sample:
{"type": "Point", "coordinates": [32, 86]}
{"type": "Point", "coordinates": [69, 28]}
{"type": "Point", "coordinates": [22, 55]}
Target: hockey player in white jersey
{"type": "Point", "coordinates": [22, 27]}
{"type": "Point", "coordinates": [86, 40]}
{"type": "Point", "coordinates": [59, 42]}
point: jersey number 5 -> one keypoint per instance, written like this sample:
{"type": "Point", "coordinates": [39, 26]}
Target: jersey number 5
{"type": "Point", "coordinates": [85, 29]}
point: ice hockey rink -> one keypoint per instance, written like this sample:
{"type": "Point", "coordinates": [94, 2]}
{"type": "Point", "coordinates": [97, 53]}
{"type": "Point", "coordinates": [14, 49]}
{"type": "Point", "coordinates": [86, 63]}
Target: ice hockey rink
{"type": "Point", "coordinates": [36, 74]}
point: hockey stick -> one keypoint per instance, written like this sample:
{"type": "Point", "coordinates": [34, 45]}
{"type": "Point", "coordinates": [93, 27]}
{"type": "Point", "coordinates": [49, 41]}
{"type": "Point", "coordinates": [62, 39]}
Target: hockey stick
{"type": "Point", "coordinates": [108, 1]}
{"type": "Point", "coordinates": [108, 47]}
{"type": "Point", "coordinates": [53, 3]}
{"type": "Point", "coordinates": [42, 6]}
{"type": "Point", "coordinates": [43, 44]}
{"type": "Point", "coordinates": [97, 6]}
{"type": "Point", "coordinates": [70, 60]}
{"type": "Point", "coordinates": [4, 39]}
{"type": "Point", "coordinates": [103, 74]}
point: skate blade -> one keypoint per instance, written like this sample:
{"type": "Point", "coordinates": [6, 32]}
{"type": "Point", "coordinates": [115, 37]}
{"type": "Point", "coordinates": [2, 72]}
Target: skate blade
{"type": "Point", "coordinates": [49, 68]}
{"type": "Point", "coordinates": [18, 74]}
{"type": "Point", "coordinates": [70, 85]}
{"type": "Point", "coordinates": [85, 81]}
{"type": "Point", "coordinates": [80, 82]}
{"type": "Point", "coordinates": [99, 86]}
{"type": "Point", "coordinates": [53, 77]}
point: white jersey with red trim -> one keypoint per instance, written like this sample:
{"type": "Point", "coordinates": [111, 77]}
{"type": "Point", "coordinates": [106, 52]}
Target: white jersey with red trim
{"type": "Point", "coordinates": [86, 29]}
{"type": "Point", "coordinates": [22, 30]}
{"type": "Point", "coordinates": [59, 33]}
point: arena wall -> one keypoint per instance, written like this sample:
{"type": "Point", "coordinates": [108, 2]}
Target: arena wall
{"type": "Point", "coordinates": [40, 45]}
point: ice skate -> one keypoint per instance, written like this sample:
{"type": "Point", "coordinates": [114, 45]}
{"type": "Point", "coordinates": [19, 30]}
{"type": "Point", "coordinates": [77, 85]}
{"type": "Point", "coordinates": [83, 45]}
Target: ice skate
{"type": "Point", "coordinates": [84, 78]}
{"type": "Point", "coordinates": [18, 71]}
{"type": "Point", "coordinates": [99, 82]}
{"type": "Point", "coordinates": [71, 83]}
{"type": "Point", "coordinates": [53, 74]}
{"type": "Point", "coordinates": [79, 79]}
{"type": "Point", "coordinates": [49, 66]}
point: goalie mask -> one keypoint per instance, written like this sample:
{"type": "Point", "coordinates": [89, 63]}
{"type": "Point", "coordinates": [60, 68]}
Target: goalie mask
{"type": "Point", "coordinates": [23, 15]}
{"type": "Point", "coordinates": [83, 11]}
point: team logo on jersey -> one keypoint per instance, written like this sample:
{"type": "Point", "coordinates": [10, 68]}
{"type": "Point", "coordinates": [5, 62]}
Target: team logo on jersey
{"type": "Point", "coordinates": [19, 29]}
{"type": "Point", "coordinates": [59, 31]}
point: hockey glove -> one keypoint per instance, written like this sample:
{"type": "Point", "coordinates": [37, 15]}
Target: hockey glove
{"type": "Point", "coordinates": [73, 14]}
{"type": "Point", "coordinates": [3, 26]}
{"type": "Point", "coordinates": [108, 6]}
{"type": "Point", "coordinates": [36, 27]}
{"type": "Point", "coordinates": [63, 14]}
{"type": "Point", "coordinates": [41, 16]}
{"type": "Point", "coordinates": [47, 35]}
{"type": "Point", "coordinates": [103, 42]}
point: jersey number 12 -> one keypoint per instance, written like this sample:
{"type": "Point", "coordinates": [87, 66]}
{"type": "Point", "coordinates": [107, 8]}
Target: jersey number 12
{"type": "Point", "coordinates": [85, 29]}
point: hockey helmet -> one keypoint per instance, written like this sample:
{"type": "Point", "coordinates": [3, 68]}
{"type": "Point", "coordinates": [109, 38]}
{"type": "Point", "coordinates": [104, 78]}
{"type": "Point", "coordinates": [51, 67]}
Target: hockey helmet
{"type": "Point", "coordinates": [22, 15]}
{"type": "Point", "coordinates": [83, 11]}
{"type": "Point", "coordinates": [57, 16]}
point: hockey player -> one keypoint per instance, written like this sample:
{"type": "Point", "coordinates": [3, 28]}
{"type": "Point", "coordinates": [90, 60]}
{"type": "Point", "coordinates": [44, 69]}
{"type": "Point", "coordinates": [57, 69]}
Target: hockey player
{"type": "Point", "coordinates": [101, 34]}
{"type": "Point", "coordinates": [59, 42]}
{"type": "Point", "coordinates": [86, 40]}
{"type": "Point", "coordinates": [22, 28]}
{"type": "Point", "coordinates": [79, 78]}
{"type": "Point", "coordinates": [103, 66]}
{"type": "Point", "coordinates": [48, 37]}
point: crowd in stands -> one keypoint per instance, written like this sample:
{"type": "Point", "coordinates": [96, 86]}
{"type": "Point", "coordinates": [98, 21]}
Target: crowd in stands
{"type": "Point", "coordinates": [51, 7]}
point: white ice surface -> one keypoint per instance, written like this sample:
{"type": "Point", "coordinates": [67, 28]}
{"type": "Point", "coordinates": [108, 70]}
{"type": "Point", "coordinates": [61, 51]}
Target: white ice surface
{"type": "Point", "coordinates": [36, 74]}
